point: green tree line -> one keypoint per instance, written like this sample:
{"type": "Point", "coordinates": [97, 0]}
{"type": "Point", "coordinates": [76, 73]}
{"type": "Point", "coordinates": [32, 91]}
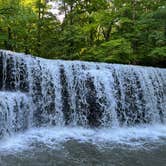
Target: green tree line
{"type": "Point", "coordinates": [115, 31]}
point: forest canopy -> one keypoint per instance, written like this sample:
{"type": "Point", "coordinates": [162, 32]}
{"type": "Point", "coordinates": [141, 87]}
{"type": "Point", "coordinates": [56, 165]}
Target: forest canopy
{"type": "Point", "coordinates": [115, 31]}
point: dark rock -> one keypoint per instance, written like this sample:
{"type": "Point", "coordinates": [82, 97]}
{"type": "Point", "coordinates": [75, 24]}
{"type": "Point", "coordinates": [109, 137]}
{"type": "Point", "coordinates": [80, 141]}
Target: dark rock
{"type": "Point", "coordinates": [65, 96]}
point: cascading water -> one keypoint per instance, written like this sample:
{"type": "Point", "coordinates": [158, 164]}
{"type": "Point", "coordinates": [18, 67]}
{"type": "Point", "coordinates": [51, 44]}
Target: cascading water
{"type": "Point", "coordinates": [80, 113]}
{"type": "Point", "coordinates": [15, 113]}
{"type": "Point", "coordinates": [35, 92]}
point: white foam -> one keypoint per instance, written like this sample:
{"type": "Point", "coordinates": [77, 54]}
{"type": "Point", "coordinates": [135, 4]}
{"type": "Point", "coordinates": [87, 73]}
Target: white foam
{"type": "Point", "coordinates": [55, 136]}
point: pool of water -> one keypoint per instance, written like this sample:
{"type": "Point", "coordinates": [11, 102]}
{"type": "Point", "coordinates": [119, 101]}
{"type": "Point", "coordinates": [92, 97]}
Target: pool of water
{"type": "Point", "coordinates": [57, 146]}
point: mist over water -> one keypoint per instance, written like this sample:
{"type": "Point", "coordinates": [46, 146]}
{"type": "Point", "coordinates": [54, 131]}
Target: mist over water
{"type": "Point", "coordinates": [54, 137]}
{"type": "Point", "coordinates": [55, 112]}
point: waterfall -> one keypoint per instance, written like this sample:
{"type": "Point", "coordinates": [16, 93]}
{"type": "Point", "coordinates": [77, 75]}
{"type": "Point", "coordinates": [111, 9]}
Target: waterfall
{"type": "Point", "coordinates": [37, 92]}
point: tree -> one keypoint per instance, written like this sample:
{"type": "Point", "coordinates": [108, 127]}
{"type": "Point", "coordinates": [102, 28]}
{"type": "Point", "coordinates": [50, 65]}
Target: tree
{"type": "Point", "coordinates": [130, 31]}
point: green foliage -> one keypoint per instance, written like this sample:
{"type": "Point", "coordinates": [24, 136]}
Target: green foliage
{"type": "Point", "coordinates": [156, 57]}
{"type": "Point", "coordinates": [130, 32]}
{"type": "Point", "coordinates": [118, 51]}
{"type": "Point", "coordinates": [114, 51]}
